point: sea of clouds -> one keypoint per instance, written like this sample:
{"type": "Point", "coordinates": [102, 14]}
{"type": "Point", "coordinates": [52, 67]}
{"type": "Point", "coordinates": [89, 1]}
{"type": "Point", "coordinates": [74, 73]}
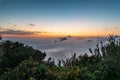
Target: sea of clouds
{"type": "Point", "coordinates": [58, 49]}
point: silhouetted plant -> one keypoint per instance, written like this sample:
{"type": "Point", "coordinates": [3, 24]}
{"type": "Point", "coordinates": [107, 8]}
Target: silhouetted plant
{"type": "Point", "coordinates": [14, 52]}
{"type": "Point", "coordinates": [0, 37]}
{"type": "Point", "coordinates": [102, 64]}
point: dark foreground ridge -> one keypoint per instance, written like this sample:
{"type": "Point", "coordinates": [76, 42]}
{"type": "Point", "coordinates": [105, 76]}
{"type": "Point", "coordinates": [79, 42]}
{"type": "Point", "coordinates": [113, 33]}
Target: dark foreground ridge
{"type": "Point", "coordinates": [22, 62]}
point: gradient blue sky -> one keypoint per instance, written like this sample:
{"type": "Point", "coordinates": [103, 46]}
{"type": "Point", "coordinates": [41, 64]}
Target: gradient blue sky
{"type": "Point", "coordinates": [65, 17]}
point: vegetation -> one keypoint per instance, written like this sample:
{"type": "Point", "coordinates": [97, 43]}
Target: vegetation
{"type": "Point", "coordinates": [13, 53]}
{"type": "Point", "coordinates": [21, 62]}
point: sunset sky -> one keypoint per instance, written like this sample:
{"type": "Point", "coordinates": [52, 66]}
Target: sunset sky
{"type": "Point", "coordinates": [50, 18]}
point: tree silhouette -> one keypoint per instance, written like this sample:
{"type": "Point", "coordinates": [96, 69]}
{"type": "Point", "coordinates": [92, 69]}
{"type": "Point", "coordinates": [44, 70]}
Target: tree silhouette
{"type": "Point", "coordinates": [0, 36]}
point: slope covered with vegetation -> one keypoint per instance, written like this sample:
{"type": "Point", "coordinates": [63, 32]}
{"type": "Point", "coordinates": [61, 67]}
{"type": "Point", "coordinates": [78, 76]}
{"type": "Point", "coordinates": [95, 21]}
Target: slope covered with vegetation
{"type": "Point", "coordinates": [21, 62]}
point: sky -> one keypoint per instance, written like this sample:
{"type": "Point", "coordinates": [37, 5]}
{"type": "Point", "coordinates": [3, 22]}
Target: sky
{"type": "Point", "coordinates": [51, 18]}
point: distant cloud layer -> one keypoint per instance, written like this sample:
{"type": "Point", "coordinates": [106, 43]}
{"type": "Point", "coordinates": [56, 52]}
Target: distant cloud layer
{"type": "Point", "coordinates": [112, 28]}
{"type": "Point", "coordinates": [31, 24]}
{"type": "Point", "coordinates": [62, 39]}
{"type": "Point", "coordinates": [15, 25]}
{"type": "Point", "coordinates": [20, 32]}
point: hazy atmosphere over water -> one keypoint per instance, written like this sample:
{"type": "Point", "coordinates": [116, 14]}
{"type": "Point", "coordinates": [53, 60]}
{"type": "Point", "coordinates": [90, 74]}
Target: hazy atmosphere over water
{"type": "Point", "coordinates": [53, 18]}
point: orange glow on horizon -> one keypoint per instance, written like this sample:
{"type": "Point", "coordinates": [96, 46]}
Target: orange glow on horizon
{"type": "Point", "coordinates": [53, 35]}
{"type": "Point", "coordinates": [81, 33]}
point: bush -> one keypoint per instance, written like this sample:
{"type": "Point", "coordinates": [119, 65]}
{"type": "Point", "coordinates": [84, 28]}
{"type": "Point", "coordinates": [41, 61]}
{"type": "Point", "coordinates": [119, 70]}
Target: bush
{"type": "Point", "coordinates": [12, 53]}
{"type": "Point", "coordinates": [102, 64]}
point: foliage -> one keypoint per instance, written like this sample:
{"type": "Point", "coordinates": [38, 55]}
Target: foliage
{"type": "Point", "coordinates": [12, 53]}
{"type": "Point", "coordinates": [102, 64]}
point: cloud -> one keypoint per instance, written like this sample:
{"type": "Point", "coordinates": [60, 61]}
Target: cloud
{"type": "Point", "coordinates": [62, 39]}
{"type": "Point", "coordinates": [88, 41]}
{"type": "Point", "coordinates": [117, 27]}
{"type": "Point", "coordinates": [114, 27]}
{"type": "Point", "coordinates": [38, 32]}
{"type": "Point", "coordinates": [15, 25]}
{"type": "Point", "coordinates": [20, 32]}
{"type": "Point", "coordinates": [16, 32]}
{"type": "Point", "coordinates": [31, 24]}
{"type": "Point", "coordinates": [106, 28]}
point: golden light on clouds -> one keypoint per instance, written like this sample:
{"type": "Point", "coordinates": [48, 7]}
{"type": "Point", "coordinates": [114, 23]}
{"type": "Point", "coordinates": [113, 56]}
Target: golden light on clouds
{"type": "Point", "coordinates": [58, 29]}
